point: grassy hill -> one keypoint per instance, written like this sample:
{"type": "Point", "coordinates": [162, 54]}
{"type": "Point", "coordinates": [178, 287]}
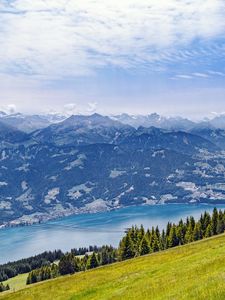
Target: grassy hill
{"type": "Point", "coordinates": [194, 271]}
{"type": "Point", "coordinates": [17, 283]}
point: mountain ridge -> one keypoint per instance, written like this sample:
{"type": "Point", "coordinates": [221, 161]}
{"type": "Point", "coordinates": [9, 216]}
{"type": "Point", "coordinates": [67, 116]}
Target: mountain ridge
{"type": "Point", "coordinates": [92, 163]}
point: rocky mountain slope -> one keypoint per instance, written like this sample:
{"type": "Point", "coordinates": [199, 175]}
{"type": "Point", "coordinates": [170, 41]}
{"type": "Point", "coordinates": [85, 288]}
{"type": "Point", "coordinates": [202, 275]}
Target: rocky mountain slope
{"type": "Point", "coordinates": [94, 163]}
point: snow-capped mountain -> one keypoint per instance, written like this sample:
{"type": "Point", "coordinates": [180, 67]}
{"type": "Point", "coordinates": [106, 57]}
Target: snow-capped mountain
{"type": "Point", "coordinates": [29, 123]}
{"type": "Point", "coordinates": [155, 120]}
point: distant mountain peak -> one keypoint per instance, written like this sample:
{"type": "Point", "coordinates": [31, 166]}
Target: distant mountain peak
{"type": "Point", "coordinates": [91, 120]}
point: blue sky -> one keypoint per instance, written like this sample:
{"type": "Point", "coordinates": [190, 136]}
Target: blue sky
{"type": "Point", "coordinates": [82, 56]}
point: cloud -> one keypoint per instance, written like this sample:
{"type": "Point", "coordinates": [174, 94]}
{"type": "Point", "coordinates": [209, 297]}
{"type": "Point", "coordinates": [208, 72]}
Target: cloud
{"type": "Point", "coordinates": [183, 76]}
{"type": "Point", "coordinates": [92, 107]}
{"type": "Point", "coordinates": [70, 109]}
{"type": "Point", "coordinates": [9, 109]}
{"type": "Point", "coordinates": [58, 39]}
{"type": "Point", "coordinates": [211, 72]}
{"type": "Point", "coordinates": [202, 75]}
{"type": "Point", "coordinates": [76, 109]}
{"type": "Point", "coordinates": [208, 74]}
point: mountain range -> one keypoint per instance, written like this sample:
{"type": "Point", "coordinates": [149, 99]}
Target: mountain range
{"type": "Point", "coordinates": [93, 163]}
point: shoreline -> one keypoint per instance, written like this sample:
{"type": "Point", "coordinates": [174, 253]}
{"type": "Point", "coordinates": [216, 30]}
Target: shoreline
{"type": "Point", "coordinates": [39, 218]}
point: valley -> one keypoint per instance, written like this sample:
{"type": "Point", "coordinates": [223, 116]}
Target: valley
{"type": "Point", "coordinates": [89, 164]}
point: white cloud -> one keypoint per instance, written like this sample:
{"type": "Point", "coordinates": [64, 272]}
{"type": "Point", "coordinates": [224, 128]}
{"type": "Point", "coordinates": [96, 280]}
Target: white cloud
{"type": "Point", "coordinates": [83, 109]}
{"type": "Point", "coordinates": [9, 109]}
{"type": "Point", "coordinates": [54, 39]}
{"type": "Point", "coordinates": [183, 76]}
{"type": "Point", "coordinates": [199, 74]}
{"type": "Point", "coordinates": [202, 75]}
{"type": "Point", "coordinates": [92, 107]}
{"type": "Point", "coordinates": [211, 72]}
{"type": "Point", "coordinates": [70, 109]}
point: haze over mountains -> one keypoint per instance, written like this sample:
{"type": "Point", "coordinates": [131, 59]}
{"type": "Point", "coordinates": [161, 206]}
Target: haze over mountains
{"type": "Point", "coordinates": [29, 123]}
{"type": "Point", "coordinates": [52, 166]}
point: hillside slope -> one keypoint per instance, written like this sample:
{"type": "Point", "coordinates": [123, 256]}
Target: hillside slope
{"type": "Point", "coordinates": [194, 271]}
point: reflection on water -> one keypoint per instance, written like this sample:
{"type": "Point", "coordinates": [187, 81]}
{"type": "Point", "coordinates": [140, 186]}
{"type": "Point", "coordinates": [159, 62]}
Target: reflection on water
{"type": "Point", "coordinates": [89, 229]}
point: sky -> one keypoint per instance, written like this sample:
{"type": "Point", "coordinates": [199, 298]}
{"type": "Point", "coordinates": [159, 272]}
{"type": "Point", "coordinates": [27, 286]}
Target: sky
{"type": "Point", "coordinates": [133, 56]}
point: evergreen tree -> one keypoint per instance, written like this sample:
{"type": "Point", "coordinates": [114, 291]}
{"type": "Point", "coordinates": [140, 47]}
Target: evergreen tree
{"type": "Point", "coordinates": [144, 246]}
{"type": "Point", "coordinates": [141, 232]}
{"type": "Point", "coordinates": [197, 233]}
{"type": "Point", "coordinates": [192, 223]}
{"type": "Point", "coordinates": [135, 237]}
{"type": "Point", "coordinates": [126, 248]}
{"type": "Point", "coordinates": [148, 235]}
{"type": "Point", "coordinates": [155, 243]}
{"type": "Point", "coordinates": [93, 261]}
{"type": "Point", "coordinates": [173, 239]}
{"type": "Point", "coordinates": [189, 234]}
{"type": "Point", "coordinates": [207, 221]}
{"type": "Point", "coordinates": [208, 232]}
{"type": "Point", "coordinates": [168, 227]}
{"type": "Point", "coordinates": [68, 264]}
{"type": "Point", "coordinates": [163, 240]}
{"type": "Point", "coordinates": [3, 287]}
{"type": "Point", "coordinates": [214, 221]}
{"type": "Point", "coordinates": [180, 232]}
{"type": "Point", "coordinates": [220, 223]}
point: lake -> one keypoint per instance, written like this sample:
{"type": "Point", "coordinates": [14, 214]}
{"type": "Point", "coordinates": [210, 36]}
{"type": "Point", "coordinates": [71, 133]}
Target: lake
{"type": "Point", "coordinates": [89, 229]}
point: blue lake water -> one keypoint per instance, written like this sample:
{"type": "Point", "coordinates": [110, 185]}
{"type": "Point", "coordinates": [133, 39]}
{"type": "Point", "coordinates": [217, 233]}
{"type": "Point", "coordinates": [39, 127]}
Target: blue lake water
{"type": "Point", "coordinates": [89, 229]}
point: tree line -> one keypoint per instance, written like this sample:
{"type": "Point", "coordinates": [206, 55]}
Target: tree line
{"type": "Point", "coordinates": [136, 242]}
{"type": "Point", "coordinates": [26, 265]}
{"type": "Point", "coordinates": [45, 259]}
{"type": "Point", "coordinates": [70, 263]}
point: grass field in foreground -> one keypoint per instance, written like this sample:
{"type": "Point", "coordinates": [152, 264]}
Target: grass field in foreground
{"type": "Point", "coordinates": [194, 271]}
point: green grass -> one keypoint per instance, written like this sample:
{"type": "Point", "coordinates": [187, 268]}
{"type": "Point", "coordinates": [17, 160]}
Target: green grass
{"type": "Point", "coordinates": [195, 271]}
{"type": "Point", "coordinates": [18, 282]}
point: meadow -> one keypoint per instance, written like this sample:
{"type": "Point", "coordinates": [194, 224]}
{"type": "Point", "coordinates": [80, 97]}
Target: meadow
{"type": "Point", "coordinates": [193, 271]}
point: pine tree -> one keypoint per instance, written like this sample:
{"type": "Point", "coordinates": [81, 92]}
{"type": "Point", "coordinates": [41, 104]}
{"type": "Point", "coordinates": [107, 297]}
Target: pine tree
{"type": "Point", "coordinates": [192, 223]}
{"type": "Point", "coordinates": [180, 232]}
{"type": "Point", "coordinates": [163, 240]}
{"type": "Point", "coordinates": [4, 287]}
{"type": "Point", "coordinates": [214, 221]}
{"type": "Point", "coordinates": [93, 261]}
{"type": "Point", "coordinates": [126, 248]}
{"type": "Point", "coordinates": [68, 264]}
{"type": "Point", "coordinates": [168, 227]}
{"type": "Point", "coordinates": [197, 233]}
{"type": "Point", "coordinates": [144, 246]}
{"type": "Point", "coordinates": [220, 223]}
{"type": "Point", "coordinates": [173, 239]}
{"type": "Point", "coordinates": [135, 238]}
{"type": "Point", "coordinates": [28, 279]}
{"type": "Point", "coordinates": [155, 242]}
{"type": "Point", "coordinates": [207, 221]}
{"type": "Point", "coordinates": [33, 277]}
{"type": "Point", "coordinates": [148, 235]}
{"type": "Point", "coordinates": [208, 231]}
{"type": "Point", "coordinates": [141, 232]}
{"type": "Point", "coordinates": [189, 234]}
